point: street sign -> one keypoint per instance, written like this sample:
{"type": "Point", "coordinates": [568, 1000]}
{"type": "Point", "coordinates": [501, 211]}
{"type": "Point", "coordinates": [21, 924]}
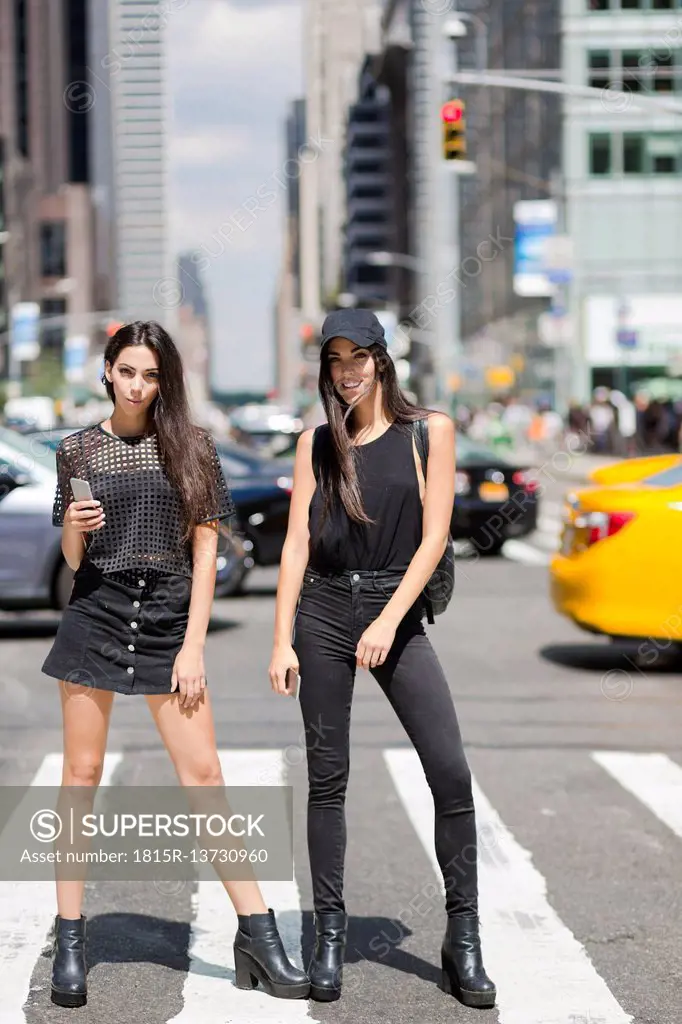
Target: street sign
{"type": "Point", "coordinates": [25, 331]}
{"type": "Point", "coordinates": [535, 223]}
{"type": "Point", "coordinates": [559, 259]}
{"type": "Point", "coordinates": [75, 357]}
{"type": "Point", "coordinates": [626, 338]}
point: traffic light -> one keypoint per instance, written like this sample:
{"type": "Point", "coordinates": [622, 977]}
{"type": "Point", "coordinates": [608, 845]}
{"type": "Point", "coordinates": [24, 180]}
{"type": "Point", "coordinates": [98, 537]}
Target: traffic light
{"type": "Point", "coordinates": [454, 130]}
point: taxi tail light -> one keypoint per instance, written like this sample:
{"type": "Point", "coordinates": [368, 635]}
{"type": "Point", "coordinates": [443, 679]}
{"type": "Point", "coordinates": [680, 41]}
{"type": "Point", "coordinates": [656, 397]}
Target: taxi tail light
{"type": "Point", "coordinates": [605, 524]}
{"type": "Point", "coordinates": [526, 479]}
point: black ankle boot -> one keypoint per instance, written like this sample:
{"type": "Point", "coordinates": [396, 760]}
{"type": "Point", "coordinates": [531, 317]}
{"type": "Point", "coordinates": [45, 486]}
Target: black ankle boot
{"type": "Point", "coordinates": [326, 966]}
{"type": "Point", "coordinates": [463, 972]}
{"type": "Point", "coordinates": [69, 987]}
{"type": "Point", "coordinates": [259, 956]}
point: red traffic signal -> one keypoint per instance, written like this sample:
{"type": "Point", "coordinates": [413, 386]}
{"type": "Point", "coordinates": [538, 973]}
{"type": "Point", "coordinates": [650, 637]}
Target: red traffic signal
{"type": "Point", "coordinates": [452, 111]}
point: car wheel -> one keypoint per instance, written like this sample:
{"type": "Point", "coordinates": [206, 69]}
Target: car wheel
{"type": "Point", "coordinates": [488, 547]}
{"type": "Point", "coordinates": [63, 586]}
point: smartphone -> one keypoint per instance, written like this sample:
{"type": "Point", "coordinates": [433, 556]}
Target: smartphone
{"type": "Point", "coordinates": [81, 490]}
{"type": "Point", "coordinates": [293, 683]}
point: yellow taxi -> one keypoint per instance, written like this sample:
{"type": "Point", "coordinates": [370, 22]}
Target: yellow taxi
{"type": "Point", "coordinates": [619, 565]}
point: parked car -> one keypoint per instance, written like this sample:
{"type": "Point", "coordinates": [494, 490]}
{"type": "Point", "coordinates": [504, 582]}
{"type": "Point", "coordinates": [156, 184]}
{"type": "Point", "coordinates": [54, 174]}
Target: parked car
{"type": "Point", "coordinates": [495, 499]}
{"type": "Point", "coordinates": [33, 573]}
{"type": "Point", "coordinates": [261, 490]}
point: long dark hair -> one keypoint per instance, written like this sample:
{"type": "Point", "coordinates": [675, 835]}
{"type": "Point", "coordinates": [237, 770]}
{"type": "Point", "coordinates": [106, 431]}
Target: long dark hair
{"type": "Point", "coordinates": [337, 470]}
{"type": "Point", "coordinates": [183, 450]}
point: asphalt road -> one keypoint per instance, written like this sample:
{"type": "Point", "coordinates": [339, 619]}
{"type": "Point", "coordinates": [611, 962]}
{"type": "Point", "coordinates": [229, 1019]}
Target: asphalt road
{"type": "Point", "coordinates": [577, 757]}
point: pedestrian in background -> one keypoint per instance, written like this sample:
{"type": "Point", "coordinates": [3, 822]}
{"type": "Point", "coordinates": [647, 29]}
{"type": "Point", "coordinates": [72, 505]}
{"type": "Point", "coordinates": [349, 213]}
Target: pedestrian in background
{"type": "Point", "coordinates": [365, 535]}
{"type": "Point", "coordinates": [144, 554]}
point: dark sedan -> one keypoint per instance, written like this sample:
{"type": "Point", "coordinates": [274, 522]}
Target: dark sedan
{"type": "Point", "coordinates": [495, 500]}
{"type": "Point", "coordinates": [261, 489]}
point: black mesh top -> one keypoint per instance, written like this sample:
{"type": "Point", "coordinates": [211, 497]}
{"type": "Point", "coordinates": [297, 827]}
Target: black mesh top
{"type": "Point", "coordinates": [144, 516]}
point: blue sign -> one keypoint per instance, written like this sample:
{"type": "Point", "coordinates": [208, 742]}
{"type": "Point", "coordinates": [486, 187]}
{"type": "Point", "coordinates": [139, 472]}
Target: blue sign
{"type": "Point", "coordinates": [535, 223]}
{"type": "Point", "coordinates": [626, 338]}
{"type": "Point", "coordinates": [25, 330]}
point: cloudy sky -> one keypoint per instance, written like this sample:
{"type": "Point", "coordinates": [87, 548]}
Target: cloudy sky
{"type": "Point", "coordinates": [234, 65]}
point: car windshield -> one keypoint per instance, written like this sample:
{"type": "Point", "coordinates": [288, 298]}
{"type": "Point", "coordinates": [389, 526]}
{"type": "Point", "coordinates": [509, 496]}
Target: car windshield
{"type": "Point", "coordinates": [668, 478]}
{"type": "Point", "coordinates": [33, 449]}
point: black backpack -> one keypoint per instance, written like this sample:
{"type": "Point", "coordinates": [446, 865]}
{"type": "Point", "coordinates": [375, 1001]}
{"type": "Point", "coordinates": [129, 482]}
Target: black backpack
{"type": "Point", "coordinates": [440, 587]}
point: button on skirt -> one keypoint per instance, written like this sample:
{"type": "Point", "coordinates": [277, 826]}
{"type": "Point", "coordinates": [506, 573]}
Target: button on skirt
{"type": "Point", "coordinates": [121, 631]}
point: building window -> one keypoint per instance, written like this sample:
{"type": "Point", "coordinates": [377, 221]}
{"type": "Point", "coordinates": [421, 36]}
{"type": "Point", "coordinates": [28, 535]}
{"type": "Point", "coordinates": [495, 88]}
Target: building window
{"type": "Point", "coordinates": [645, 70]}
{"type": "Point", "coordinates": [641, 153]}
{"type": "Point", "coordinates": [633, 5]}
{"type": "Point", "coordinates": [664, 154]}
{"type": "Point", "coordinates": [600, 154]}
{"type": "Point", "coordinates": [52, 332]}
{"type": "Point", "coordinates": [21, 74]}
{"type": "Point", "coordinates": [600, 64]}
{"type": "Point", "coordinates": [53, 249]}
{"type": "Point", "coordinates": [633, 154]}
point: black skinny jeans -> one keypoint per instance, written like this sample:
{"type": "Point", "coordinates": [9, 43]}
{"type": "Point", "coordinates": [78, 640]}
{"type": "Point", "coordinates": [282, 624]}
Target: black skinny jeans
{"type": "Point", "coordinates": [333, 613]}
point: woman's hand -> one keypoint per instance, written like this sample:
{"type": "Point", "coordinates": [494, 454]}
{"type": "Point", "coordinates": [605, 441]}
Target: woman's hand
{"type": "Point", "coordinates": [189, 675]}
{"type": "Point", "coordinates": [375, 643]}
{"type": "Point", "coordinates": [283, 658]}
{"type": "Point", "coordinates": [82, 517]}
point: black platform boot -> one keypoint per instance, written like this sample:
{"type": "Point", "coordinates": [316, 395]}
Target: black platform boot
{"type": "Point", "coordinates": [326, 966]}
{"type": "Point", "coordinates": [259, 956]}
{"type": "Point", "coordinates": [69, 987]}
{"type": "Point", "coordinates": [463, 972]}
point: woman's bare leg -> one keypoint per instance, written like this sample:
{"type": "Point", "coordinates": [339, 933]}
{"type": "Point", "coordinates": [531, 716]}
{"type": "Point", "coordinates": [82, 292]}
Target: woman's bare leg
{"type": "Point", "coordinates": [85, 715]}
{"type": "Point", "coordinates": [189, 738]}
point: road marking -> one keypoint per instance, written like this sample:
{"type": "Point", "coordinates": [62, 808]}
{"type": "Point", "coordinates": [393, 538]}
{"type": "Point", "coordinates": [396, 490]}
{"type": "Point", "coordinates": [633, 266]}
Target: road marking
{"type": "Point", "coordinates": [520, 551]}
{"type": "Point", "coordinates": [548, 525]}
{"type": "Point", "coordinates": [543, 974]}
{"type": "Point", "coordinates": [27, 909]}
{"type": "Point", "coordinates": [653, 778]}
{"type": "Point", "coordinates": [209, 993]}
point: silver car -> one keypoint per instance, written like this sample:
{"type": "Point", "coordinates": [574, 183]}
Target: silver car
{"type": "Point", "coordinates": [33, 573]}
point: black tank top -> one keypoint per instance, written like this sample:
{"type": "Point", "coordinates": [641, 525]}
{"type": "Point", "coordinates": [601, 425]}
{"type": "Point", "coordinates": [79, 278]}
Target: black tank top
{"type": "Point", "coordinates": [389, 486]}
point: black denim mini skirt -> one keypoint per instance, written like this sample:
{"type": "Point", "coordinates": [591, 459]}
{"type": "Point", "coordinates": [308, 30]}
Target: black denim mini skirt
{"type": "Point", "coordinates": [121, 631]}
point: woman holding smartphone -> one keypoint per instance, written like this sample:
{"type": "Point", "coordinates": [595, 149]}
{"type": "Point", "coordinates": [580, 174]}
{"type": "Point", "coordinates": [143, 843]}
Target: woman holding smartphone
{"type": "Point", "coordinates": [144, 555]}
{"type": "Point", "coordinates": [366, 532]}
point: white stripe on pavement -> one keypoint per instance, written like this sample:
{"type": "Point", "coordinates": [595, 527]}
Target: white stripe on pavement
{"type": "Point", "coordinates": [27, 909]}
{"type": "Point", "coordinates": [520, 551]}
{"type": "Point", "coordinates": [209, 993]}
{"type": "Point", "coordinates": [549, 525]}
{"type": "Point", "coordinates": [543, 974]}
{"type": "Point", "coordinates": [653, 778]}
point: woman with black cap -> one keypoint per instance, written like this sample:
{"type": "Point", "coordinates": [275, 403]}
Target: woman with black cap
{"type": "Point", "coordinates": [144, 553]}
{"type": "Point", "coordinates": [366, 532]}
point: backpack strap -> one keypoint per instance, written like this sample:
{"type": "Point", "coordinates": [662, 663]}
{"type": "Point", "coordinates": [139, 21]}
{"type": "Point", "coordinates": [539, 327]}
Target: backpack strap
{"type": "Point", "coordinates": [420, 430]}
{"type": "Point", "coordinates": [318, 438]}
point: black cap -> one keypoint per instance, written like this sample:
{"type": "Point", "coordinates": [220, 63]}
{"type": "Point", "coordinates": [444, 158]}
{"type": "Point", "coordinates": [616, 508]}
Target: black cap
{"type": "Point", "coordinates": [361, 326]}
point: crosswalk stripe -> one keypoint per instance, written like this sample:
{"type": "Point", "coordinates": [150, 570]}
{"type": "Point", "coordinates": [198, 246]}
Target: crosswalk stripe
{"type": "Point", "coordinates": [654, 779]}
{"type": "Point", "coordinates": [521, 551]}
{"type": "Point", "coordinates": [549, 526]}
{"type": "Point", "coordinates": [25, 915]}
{"type": "Point", "coordinates": [208, 994]}
{"type": "Point", "coordinates": [543, 974]}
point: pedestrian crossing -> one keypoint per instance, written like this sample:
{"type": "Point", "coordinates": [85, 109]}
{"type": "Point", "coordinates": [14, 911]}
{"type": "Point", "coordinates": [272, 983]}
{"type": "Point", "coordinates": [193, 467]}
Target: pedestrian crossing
{"type": "Point", "coordinates": [543, 972]}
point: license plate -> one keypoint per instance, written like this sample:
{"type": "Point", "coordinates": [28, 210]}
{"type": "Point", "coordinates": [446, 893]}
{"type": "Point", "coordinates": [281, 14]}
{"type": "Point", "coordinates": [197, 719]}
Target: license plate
{"type": "Point", "coordinates": [493, 492]}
